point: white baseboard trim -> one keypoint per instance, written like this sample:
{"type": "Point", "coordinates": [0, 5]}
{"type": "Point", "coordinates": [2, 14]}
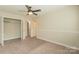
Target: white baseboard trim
{"type": "Point", "coordinates": [65, 45]}
{"type": "Point", "coordinates": [11, 38]}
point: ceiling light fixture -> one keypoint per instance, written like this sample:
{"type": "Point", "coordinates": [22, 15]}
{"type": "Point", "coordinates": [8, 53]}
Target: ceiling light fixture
{"type": "Point", "coordinates": [30, 13]}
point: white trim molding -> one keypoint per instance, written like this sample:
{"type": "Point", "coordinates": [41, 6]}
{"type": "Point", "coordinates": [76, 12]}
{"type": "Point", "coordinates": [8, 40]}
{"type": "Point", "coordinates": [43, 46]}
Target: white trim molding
{"type": "Point", "coordinates": [65, 45]}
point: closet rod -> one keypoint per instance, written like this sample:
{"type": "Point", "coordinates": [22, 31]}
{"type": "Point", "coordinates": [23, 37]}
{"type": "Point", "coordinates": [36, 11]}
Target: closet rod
{"type": "Point", "coordinates": [7, 21]}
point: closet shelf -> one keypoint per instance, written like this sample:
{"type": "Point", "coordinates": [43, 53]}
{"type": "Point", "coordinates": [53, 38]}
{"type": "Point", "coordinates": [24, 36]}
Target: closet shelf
{"type": "Point", "coordinates": [7, 21]}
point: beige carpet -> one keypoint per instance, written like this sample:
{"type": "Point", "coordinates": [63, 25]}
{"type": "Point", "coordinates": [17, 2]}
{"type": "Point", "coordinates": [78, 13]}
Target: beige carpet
{"type": "Point", "coordinates": [32, 46]}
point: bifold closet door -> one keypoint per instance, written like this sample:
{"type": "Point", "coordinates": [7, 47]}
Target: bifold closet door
{"type": "Point", "coordinates": [12, 29]}
{"type": "Point", "coordinates": [1, 31]}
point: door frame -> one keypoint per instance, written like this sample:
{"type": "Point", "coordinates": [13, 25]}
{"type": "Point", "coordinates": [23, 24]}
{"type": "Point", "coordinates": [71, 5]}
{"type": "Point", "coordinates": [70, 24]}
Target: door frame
{"type": "Point", "coordinates": [2, 31]}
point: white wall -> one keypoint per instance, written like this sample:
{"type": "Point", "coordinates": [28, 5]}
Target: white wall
{"type": "Point", "coordinates": [60, 26]}
{"type": "Point", "coordinates": [0, 29]}
{"type": "Point", "coordinates": [16, 16]}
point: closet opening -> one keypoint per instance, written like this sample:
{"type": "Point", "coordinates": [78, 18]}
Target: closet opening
{"type": "Point", "coordinates": [12, 29]}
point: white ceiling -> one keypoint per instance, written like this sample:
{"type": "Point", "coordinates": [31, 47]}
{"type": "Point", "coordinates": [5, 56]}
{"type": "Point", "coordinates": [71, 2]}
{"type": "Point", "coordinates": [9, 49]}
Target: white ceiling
{"type": "Point", "coordinates": [17, 9]}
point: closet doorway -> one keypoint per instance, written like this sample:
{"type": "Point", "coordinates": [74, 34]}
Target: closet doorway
{"type": "Point", "coordinates": [12, 29]}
